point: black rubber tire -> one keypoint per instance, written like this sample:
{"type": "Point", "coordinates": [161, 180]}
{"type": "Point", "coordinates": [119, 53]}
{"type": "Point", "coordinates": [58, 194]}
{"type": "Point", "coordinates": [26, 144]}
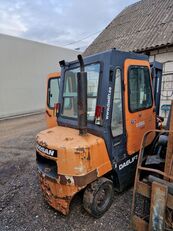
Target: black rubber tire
{"type": "Point", "coordinates": [98, 197]}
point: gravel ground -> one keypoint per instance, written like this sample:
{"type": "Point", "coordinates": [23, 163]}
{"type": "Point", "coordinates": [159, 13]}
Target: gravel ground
{"type": "Point", "coordinates": [22, 206]}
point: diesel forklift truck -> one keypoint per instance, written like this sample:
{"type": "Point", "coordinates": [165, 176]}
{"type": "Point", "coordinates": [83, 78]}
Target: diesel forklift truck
{"type": "Point", "coordinates": [106, 104]}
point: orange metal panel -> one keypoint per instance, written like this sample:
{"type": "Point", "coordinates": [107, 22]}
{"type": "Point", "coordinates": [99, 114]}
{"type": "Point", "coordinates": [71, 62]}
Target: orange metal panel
{"type": "Point", "coordinates": [145, 118]}
{"type": "Point", "coordinates": [77, 155]}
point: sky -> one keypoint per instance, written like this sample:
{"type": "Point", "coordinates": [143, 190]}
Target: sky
{"type": "Point", "coordinates": [72, 24]}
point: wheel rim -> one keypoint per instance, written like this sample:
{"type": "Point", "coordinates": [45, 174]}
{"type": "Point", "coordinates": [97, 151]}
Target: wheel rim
{"type": "Point", "coordinates": [103, 197]}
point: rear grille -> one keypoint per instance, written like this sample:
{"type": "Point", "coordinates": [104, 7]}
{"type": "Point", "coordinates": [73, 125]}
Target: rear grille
{"type": "Point", "coordinates": [46, 166]}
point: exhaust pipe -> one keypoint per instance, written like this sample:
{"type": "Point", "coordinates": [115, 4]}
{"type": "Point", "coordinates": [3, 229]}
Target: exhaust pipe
{"type": "Point", "coordinates": [82, 98]}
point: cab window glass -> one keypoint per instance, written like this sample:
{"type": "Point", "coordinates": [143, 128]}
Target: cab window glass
{"type": "Point", "coordinates": [140, 93]}
{"type": "Point", "coordinates": [117, 121]}
{"type": "Point", "coordinates": [70, 91]}
{"type": "Point", "coordinates": [53, 92]}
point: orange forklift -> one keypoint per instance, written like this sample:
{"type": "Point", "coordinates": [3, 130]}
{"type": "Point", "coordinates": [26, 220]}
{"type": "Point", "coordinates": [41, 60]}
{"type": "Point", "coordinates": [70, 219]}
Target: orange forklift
{"type": "Point", "coordinates": [106, 104]}
{"type": "Point", "coordinates": [52, 95]}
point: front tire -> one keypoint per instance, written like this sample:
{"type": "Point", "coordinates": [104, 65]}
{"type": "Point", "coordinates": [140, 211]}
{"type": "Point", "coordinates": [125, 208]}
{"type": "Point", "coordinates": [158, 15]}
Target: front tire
{"type": "Point", "coordinates": [98, 197]}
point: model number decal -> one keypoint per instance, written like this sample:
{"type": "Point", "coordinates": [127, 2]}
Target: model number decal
{"type": "Point", "coordinates": [108, 102]}
{"type": "Point", "coordinates": [47, 151]}
{"type": "Point", "coordinates": [128, 162]}
{"type": "Point", "coordinates": [140, 124]}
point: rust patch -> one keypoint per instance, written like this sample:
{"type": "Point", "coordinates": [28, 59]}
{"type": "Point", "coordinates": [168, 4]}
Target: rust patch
{"type": "Point", "coordinates": [62, 179]}
{"type": "Point", "coordinates": [158, 206]}
{"type": "Point", "coordinates": [139, 223]}
{"type": "Point", "coordinates": [79, 181]}
{"type": "Point", "coordinates": [59, 203]}
{"type": "Point", "coordinates": [42, 175]}
{"type": "Point", "coordinates": [58, 192]}
{"type": "Point", "coordinates": [68, 138]}
{"type": "Point", "coordinates": [89, 154]}
{"type": "Point", "coordinates": [86, 179]}
{"type": "Point", "coordinates": [66, 180]}
{"type": "Point", "coordinates": [49, 131]}
{"type": "Point", "coordinates": [42, 143]}
{"type": "Point", "coordinates": [57, 195]}
{"type": "Point", "coordinates": [80, 150]}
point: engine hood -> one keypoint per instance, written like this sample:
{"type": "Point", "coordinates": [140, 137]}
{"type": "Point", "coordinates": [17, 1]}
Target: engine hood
{"type": "Point", "coordinates": [75, 154]}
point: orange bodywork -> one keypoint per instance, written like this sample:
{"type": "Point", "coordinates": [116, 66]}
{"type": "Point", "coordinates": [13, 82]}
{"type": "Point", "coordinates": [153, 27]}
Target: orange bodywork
{"type": "Point", "coordinates": [50, 114]}
{"type": "Point", "coordinates": [137, 123]}
{"type": "Point", "coordinates": [80, 161]}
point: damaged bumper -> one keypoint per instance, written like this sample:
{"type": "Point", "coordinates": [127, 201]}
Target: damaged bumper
{"type": "Point", "coordinates": [57, 195]}
{"type": "Point", "coordinates": [59, 191]}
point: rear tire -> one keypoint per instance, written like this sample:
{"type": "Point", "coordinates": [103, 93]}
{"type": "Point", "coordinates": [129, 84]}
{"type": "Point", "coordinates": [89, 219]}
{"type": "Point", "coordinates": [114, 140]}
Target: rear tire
{"type": "Point", "coordinates": [98, 197]}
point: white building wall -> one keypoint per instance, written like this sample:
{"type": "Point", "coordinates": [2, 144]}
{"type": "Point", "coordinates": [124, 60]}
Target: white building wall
{"type": "Point", "coordinates": [24, 66]}
{"type": "Point", "coordinates": [165, 56]}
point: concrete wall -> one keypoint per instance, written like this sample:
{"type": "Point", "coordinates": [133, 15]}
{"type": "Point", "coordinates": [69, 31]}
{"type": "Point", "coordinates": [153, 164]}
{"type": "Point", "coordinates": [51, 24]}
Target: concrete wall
{"type": "Point", "coordinates": [24, 66]}
{"type": "Point", "coordinates": [165, 56]}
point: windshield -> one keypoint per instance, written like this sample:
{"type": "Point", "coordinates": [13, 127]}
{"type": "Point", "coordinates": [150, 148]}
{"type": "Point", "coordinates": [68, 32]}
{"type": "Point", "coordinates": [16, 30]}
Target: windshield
{"type": "Point", "coordinates": [70, 91]}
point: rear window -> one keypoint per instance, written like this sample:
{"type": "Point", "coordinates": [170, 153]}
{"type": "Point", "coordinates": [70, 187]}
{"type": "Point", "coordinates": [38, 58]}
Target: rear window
{"type": "Point", "coordinates": [70, 91]}
{"type": "Point", "coordinates": [140, 93]}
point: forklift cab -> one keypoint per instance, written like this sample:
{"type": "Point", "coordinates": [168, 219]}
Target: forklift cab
{"type": "Point", "coordinates": [120, 109]}
{"type": "Point", "coordinates": [120, 105]}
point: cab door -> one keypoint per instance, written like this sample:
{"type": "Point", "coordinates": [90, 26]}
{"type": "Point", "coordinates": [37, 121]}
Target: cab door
{"type": "Point", "coordinates": [140, 115]}
{"type": "Point", "coordinates": [117, 121]}
{"type": "Point", "coordinates": [53, 82]}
